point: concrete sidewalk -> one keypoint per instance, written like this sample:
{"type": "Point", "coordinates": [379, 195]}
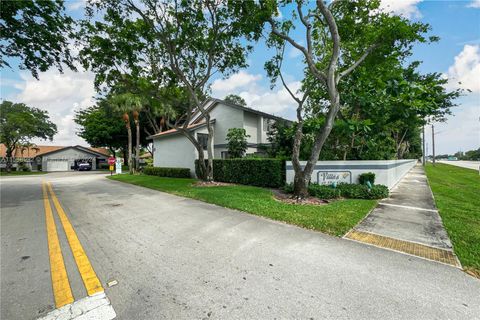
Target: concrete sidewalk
{"type": "Point", "coordinates": [408, 221]}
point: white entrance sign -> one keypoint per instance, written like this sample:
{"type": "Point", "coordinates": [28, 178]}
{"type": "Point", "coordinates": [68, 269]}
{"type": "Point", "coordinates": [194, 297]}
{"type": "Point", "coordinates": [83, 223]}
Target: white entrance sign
{"type": "Point", "coordinates": [330, 177]}
{"type": "Point", "coordinates": [387, 172]}
{"type": "Point", "coordinates": [118, 166]}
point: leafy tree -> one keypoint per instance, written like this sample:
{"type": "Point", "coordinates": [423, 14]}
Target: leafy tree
{"type": "Point", "coordinates": [235, 99]}
{"type": "Point", "coordinates": [20, 123]}
{"type": "Point", "coordinates": [181, 41]}
{"type": "Point", "coordinates": [237, 142]}
{"type": "Point", "coordinates": [102, 126]}
{"type": "Point", "coordinates": [471, 155]}
{"type": "Point", "coordinates": [365, 32]}
{"type": "Point", "coordinates": [36, 32]}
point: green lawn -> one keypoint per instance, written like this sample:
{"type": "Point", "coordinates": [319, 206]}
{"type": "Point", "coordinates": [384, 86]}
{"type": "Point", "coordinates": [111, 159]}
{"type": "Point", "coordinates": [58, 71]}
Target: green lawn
{"type": "Point", "coordinates": [335, 218]}
{"type": "Point", "coordinates": [456, 192]}
{"type": "Point", "coordinates": [21, 173]}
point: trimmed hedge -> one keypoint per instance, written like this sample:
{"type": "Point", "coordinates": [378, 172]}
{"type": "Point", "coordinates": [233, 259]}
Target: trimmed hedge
{"type": "Point", "coordinates": [254, 172]}
{"type": "Point", "coordinates": [346, 190]}
{"type": "Point", "coordinates": [323, 192]}
{"type": "Point", "coordinates": [167, 172]}
{"type": "Point", "coordinates": [368, 176]}
{"type": "Point", "coordinates": [360, 191]}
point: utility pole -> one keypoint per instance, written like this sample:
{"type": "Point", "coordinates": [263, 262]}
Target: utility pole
{"type": "Point", "coordinates": [433, 144]}
{"type": "Point", "coordinates": [423, 149]}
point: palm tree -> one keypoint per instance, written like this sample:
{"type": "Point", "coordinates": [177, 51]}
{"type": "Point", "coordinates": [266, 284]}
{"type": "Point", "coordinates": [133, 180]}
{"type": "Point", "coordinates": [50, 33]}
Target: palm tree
{"type": "Point", "coordinates": [121, 103]}
{"type": "Point", "coordinates": [137, 106]}
{"type": "Point", "coordinates": [129, 103]}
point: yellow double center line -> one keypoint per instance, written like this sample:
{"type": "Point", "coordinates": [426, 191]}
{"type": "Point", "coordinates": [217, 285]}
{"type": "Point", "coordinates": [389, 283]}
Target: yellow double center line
{"type": "Point", "coordinates": [61, 285]}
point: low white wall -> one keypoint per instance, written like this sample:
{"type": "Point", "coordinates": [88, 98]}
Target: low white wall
{"type": "Point", "coordinates": [387, 172]}
{"type": "Point", "coordinates": [174, 151]}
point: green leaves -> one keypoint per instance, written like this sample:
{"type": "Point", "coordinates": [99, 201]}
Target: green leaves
{"type": "Point", "coordinates": [237, 142]}
{"type": "Point", "coordinates": [20, 123]}
{"type": "Point", "coordinates": [36, 33]}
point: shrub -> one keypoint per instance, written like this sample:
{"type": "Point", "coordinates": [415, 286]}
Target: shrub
{"type": "Point", "coordinates": [323, 192]}
{"type": "Point", "coordinates": [368, 176]}
{"type": "Point", "coordinates": [353, 191]}
{"type": "Point", "coordinates": [167, 172]}
{"type": "Point", "coordinates": [255, 172]}
{"type": "Point", "coordinates": [237, 142]}
{"type": "Point", "coordinates": [378, 191]}
{"type": "Point", "coordinates": [104, 166]}
{"type": "Point", "coordinates": [22, 166]}
{"type": "Point", "coordinates": [288, 188]}
{"type": "Point", "coordinates": [360, 191]}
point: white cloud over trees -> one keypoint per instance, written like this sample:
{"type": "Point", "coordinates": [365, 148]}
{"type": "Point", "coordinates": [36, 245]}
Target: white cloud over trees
{"type": "Point", "coordinates": [465, 72]}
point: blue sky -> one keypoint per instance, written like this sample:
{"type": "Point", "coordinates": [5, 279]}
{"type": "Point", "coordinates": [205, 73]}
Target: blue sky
{"type": "Point", "coordinates": [457, 55]}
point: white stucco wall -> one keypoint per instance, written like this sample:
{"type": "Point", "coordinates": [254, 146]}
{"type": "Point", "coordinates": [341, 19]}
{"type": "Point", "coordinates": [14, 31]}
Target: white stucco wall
{"type": "Point", "coordinates": [387, 172]}
{"type": "Point", "coordinates": [174, 151]}
{"type": "Point", "coordinates": [250, 124]}
{"type": "Point", "coordinates": [226, 117]}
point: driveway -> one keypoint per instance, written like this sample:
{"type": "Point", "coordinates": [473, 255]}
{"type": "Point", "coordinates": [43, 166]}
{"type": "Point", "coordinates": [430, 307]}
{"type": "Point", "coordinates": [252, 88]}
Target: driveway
{"type": "Point", "coordinates": [183, 259]}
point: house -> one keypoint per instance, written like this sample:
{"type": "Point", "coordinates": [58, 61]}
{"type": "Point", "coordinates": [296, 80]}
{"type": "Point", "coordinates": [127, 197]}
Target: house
{"type": "Point", "coordinates": [55, 158]}
{"type": "Point", "coordinates": [173, 149]}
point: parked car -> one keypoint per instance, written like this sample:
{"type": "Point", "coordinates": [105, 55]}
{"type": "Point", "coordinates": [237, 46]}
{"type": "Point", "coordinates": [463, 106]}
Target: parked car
{"type": "Point", "coordinates": [84, 167]}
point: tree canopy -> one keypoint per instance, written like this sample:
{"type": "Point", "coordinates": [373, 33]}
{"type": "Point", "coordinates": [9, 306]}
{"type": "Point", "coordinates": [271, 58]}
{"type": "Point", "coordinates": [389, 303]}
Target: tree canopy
{"type": "Point", "coordinates": [235, 99]}
{"type": "Point", "coordinates": [20, 123]}
{"type": "Point", "coordinates": [37, 33]}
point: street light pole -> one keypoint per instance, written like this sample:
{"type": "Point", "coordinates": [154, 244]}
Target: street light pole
{"type": "Point", "coordinates": [433, 145]}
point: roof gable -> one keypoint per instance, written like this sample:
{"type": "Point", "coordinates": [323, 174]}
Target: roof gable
{"type": "Point", "coordinates": [211, 103]}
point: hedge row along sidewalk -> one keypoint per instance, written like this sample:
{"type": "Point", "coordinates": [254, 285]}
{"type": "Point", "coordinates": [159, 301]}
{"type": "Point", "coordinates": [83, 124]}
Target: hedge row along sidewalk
{"type": "Point", "coordinates": [456, 195]}
{"type": "Point", "coordinates": [335, 218]}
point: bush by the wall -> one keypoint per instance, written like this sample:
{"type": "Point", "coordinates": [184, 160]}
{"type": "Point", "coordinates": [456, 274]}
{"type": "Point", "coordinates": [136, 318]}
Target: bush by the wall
{"type": "Point", "coordinates": [353, 191]}
{"type": "Point", "coordinates": [103, 166]}
{"type": "Point", "coordinates": [323, 192]}
{"type": "Point", "coordinates": [255, 172]}
{"type": "Point", "coordinates": [346, 190]}
{"type": "Point", "coordinates": [288, 188]}
{"type": "Point", "coordinates": [368, 176]}
{"type": "Point", "coordinates": [360, 191]}
{"type": "Point", "coordinates": [378, 191]}
{"type": "Point", "coordinates": [167, 172]}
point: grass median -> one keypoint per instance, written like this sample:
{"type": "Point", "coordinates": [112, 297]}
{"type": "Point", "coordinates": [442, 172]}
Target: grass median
{"type": "Point", "coordinates": [335, 218]}
{"type": "Point", "coordinates": [456, 195]}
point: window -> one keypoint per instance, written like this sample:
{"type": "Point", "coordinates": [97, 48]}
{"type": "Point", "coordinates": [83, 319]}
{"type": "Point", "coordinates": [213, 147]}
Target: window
{"type": "Point", "coordinates": [267, 124]}
{"type": "Point", "coordinates": [203, 140]}
{"type": "Point", "coordinates": [225, 155]}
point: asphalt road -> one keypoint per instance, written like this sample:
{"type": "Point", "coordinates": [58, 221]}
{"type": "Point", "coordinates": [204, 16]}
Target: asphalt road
{"type": "Point", "coordinates": [177, 258]}
{"type": "Point", "coordinates": [475, 165]}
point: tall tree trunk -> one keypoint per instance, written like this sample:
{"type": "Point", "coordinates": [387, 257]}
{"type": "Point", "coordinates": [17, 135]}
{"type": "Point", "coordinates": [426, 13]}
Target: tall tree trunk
{"type": "Point", "coordinates": [137, 146]}
{"type": "Point", "coordinates": [300, 182]}
{"type": "Point", "coordinates": [209, 173]}
{"type": "Point", "coordinates": [8, 154]}
{"type": "Point", "coordinates": [130, 162]}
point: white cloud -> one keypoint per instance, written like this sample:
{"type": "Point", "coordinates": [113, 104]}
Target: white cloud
{"type": "Point", "coordinates": [406, 8]}
{"type": "Point", "coordinates": [461, 132]}
{"type": "Point", "coordinates": [222, 87]}
{"type": "Point", "coordinates": [60, 95]}
{"type": "Point", "coordinates": [474, 4]}
{"type": "Point", "coordinates": [257, 96]}
{"type": "Point", "coordinates": [73, 5]}
{"type": "Point", "coordinates": [465, 72]}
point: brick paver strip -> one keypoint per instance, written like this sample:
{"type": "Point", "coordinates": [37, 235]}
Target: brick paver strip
{"type": "Point", "coordinates": [435, 254]}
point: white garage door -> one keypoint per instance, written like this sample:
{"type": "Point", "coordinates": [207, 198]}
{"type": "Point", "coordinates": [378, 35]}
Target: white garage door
{"type": "Point", "coordinates": [57, 165]}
